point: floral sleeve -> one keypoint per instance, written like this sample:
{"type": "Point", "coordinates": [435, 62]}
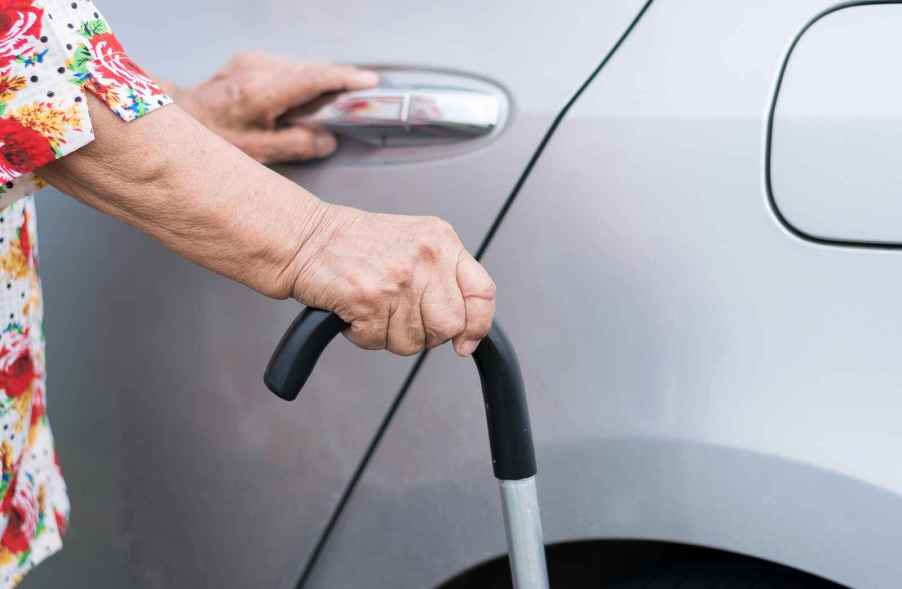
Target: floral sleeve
{"type": "Point", "coordinates": [51, 52]}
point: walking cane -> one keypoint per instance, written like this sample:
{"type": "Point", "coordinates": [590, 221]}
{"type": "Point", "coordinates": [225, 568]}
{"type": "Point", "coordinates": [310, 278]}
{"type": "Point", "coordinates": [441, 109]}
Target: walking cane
{"type": "Point", "coordinates": [510, 438]}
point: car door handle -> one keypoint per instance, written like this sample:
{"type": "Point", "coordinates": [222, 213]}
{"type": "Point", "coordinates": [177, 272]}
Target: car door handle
{"type": "Point", "coordinates": [403, 116]}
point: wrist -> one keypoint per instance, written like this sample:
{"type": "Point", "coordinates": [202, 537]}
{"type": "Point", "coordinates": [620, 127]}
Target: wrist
{"type": "Point", "coordinates": [328, 220]}
{"type": "Point", "coordinates": [277, 244]}
{"type": "Point", "coordinates": [182, 96]}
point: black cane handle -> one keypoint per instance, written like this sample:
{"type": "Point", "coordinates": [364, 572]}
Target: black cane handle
{"type": "Point", "coordinates": [513, 456]}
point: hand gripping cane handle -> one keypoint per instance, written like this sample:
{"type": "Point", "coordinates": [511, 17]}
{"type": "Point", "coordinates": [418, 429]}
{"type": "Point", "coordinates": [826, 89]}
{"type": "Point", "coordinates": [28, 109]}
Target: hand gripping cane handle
{"type": "Point", "coordinates": [510, 437]}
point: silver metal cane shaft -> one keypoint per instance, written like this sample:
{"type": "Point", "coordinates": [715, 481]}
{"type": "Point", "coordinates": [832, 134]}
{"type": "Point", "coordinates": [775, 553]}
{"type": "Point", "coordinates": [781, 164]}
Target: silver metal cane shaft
{"type": "Point", "coordinates": [523, 525]}
{"type": "Point", "coordinates": [507, 415]}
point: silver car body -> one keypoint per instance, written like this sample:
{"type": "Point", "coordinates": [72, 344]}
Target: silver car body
{"type": "Point", "coordinates": [699, 370]}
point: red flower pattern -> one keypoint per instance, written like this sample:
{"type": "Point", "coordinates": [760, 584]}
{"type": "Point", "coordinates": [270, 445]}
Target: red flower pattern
{"type": "Point", "coordinates": [25, 238]}
{"type": "Point", "coordinates": [21, 508]}
{"type": "Point", "coordinates": [16, 377]}
{"type": "Point", "coordinates": [19, 19]}
{"type": "Point", "coordinates": [15, 537]}
{"type": "Point", "coordinates": [111, 64]}
{"type": "Point", "coordinates": [22, 149]}
{"type": "Point", "coordinates": [61, 522]}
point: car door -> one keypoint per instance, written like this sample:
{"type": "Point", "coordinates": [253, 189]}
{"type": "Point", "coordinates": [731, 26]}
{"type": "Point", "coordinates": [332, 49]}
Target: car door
{"type": "Point", "coordinates": [702, 372]}
{"type": "Point", "coordinates": [183, 469]}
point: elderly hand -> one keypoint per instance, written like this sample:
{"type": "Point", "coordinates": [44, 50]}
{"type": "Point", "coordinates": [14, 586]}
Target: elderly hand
{"type": "Point", "coordinates": [403, 283]}
{"type": "Point", "coordinates": [243, 101]}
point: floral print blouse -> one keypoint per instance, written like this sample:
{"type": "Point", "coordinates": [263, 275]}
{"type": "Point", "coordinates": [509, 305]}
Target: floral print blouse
{"type": "Point", "coordinates": [51, 53]}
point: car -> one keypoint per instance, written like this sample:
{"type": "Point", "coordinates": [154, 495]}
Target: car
{"type": "Point", "coordinates": [691, 213]}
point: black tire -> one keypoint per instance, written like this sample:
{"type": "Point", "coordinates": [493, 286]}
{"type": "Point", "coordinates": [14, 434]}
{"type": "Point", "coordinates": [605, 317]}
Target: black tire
{"type": "Point", "coordinates": [724, 576]}
{"type": "Point", "coordinates": [646, 565]}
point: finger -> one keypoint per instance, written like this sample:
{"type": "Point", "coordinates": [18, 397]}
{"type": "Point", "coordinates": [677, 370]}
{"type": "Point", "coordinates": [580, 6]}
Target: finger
{"type": "Point", "coordinates": [480, 313]}
{"type": "Point", "coordinates": [478, 290]}
{"type": "Point", "coordinates": [444, 311]}
{"type": "Point", "coordinates": [302, 83]}
{"type": "Point", "coordinates": [405, 334]}
{"type": "Point", "coordinates": [289, 144]}
{"type": "Point", "coordinates": [359, 305]}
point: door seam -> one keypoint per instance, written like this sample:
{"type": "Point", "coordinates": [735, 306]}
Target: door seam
{"type": "Point", "coordinates": [310, 564]}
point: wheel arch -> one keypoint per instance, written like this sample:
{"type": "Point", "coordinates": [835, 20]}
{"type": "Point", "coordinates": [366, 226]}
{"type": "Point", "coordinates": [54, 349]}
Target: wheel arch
{"type": "Point", "coordinates": [602, 562]}
{"type": "Point", "coordinates": [662, 499]}
{"type": "Point", "coordinates": [723, 498]}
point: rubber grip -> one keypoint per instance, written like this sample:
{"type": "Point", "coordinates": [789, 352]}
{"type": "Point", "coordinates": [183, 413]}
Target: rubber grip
{"type": "Point", "coordinates": [296, 354]}
{"type": "Point", "coordinates": [510, 436]}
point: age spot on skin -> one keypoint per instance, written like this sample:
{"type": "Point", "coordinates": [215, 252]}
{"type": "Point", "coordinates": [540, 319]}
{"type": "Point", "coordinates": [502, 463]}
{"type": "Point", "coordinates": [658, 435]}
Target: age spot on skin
{"type": "Point", "coordinates": [428, 253]}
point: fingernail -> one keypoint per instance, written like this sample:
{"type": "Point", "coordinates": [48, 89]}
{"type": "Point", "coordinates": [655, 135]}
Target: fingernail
{"type": "Point", "coordinates": [325, 144]}
{"type": "Point", "coordinates": [468, 347]}
{"type": "Point", "coordinates": [368, 78]}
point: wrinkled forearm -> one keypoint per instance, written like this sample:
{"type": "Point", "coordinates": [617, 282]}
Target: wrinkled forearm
{"type": "Point", "coordinates": [182, 97]}
{"type": "Point", "coordinates": [172, 178]}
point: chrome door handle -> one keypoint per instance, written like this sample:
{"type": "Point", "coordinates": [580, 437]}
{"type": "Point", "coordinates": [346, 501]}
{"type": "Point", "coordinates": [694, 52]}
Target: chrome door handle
{"type": "Point", "coordinates": [404, 116]}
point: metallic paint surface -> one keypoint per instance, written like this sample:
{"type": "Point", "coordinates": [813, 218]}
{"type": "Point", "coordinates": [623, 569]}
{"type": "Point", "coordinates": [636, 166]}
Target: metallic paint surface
{"type": "Point", "coordinates": [696, 372]}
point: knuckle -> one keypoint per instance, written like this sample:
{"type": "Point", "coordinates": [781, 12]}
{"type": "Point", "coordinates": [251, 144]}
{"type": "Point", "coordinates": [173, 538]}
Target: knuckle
{"type": "Point", "coordinates": [368, 295]}
{"type": "Point", "coordinates": [235, 90]}
{"type": "Point", "coordinates": [400, 277]}
{"type": "Point", "coordinates": [364, 292]}
{"type": "Point", "coordinates": [448, 325]}
{"type": "Point", "coordinates": [243, 90]}
{"type": "Point", "coordinates": [251, 95]}
{"type": "Point", "coordinates": [430, 239]}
